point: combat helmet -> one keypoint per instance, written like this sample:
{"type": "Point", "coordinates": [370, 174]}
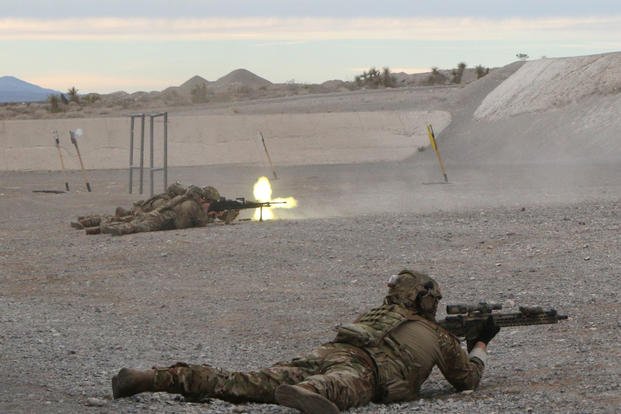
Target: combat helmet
{"type": "Point", "coordinates": [195, 192]}
{"type": "Point", "coordinates": [415, 291]}
{"type": "Point", "coordinates": [211, 193]}
{"type": "Point", "coordinates": [175, 189]}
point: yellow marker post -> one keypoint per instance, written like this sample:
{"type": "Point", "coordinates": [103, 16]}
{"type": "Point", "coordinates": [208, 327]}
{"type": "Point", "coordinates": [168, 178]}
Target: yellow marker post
{"type": "Point", "coordinates": [434, 145]}
{"type": "Point", "coordinates": [267, 154]}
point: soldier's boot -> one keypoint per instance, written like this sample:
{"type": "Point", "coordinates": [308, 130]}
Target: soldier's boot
{"type": "Point", "coordinates": [89, 221]}
{"type": "Point", "coordinates": [304, 400]}
{"type": "Point", "coordinates": [132, 381]}
{"type": "Point", "coordinates": [77, 225]}
{"type": "Point", "coordinates": [92, 230]}
{"type": "Point", "coordinates": [117, 228]}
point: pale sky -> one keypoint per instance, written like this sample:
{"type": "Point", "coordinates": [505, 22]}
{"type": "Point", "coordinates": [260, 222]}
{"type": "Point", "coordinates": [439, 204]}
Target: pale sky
{"type": "Point", "coordinates": [131, 45]}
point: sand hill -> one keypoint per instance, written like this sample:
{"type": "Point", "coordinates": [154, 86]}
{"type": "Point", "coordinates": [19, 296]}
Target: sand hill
{"type": "Point", "coordinates": [543, 111]}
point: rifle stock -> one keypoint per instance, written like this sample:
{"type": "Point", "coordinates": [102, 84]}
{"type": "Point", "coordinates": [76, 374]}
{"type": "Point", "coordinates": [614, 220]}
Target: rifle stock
{"type": "Point", "coordinates": [466, 321]}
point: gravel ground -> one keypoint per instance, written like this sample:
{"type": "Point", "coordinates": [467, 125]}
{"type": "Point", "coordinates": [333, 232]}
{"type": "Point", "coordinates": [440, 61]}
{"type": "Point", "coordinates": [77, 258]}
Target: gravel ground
{"type": "Point", "coordinates": [74, 309]}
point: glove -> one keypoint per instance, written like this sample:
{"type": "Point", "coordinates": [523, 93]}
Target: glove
{"type": "Point", "coordinates": [487, 333]}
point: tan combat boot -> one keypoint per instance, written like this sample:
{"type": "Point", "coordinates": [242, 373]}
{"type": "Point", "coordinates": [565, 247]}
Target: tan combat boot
{"type": "Point", "coordinates": [92, 230]}
{"type": "Point", "coordinates": [304, 400]}
{"type": "Point", "coordinates": [89, 221]}
{"type": "Point", "coordinates": [132, 381]}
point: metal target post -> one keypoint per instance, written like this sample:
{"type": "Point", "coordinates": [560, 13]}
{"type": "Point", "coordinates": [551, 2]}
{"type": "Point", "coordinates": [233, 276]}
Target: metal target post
{"type": "Point", "coordinates": [132, 167]}
{"type": "Point", "coordinates": [164, 167]}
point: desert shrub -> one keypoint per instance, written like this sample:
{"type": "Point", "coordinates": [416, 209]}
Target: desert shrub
{"type": "Point", "coordinates": [436, 77]}
{"type": "Point", "coordinates": [91, 98]}
{"type": "Point", "coordinates": [481, 71]}
{"type": "Point", "coordinates": [73, 95]}
{"type": "Point", "coordinates": [55, 104]}
{"type": "Point", "coordinates": [373, 79]}
{"type": "Point", "coordinates": [199, 94]}
{"type": "Point", "coordinates": [242, 89]}
{"type": "Point", "coordinates": [457, 74]}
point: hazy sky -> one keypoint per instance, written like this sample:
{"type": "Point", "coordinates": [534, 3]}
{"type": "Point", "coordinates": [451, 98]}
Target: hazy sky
{"type": "Point", "coordinates": [110, 45]}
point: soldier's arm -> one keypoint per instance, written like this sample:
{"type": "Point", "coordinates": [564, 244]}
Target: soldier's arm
{"type": "Point", "coordinates": [462, 370]}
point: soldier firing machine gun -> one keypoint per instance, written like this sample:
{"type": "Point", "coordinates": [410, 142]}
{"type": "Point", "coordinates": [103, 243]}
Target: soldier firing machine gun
{"type": "Point", "coordinates": [466, 321]}
{"type": "Point", "coordinates": [241, 203]}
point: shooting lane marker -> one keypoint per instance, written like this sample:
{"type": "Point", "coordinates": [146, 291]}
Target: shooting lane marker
{"type": "Point", "coordinates": [269, 159]}
{"type": "Point", "coordinates": [434, 145]}
{"type": "Point", "coordinates": [74, 139]}
{"type": "Point", "coordinates": [60, 155]}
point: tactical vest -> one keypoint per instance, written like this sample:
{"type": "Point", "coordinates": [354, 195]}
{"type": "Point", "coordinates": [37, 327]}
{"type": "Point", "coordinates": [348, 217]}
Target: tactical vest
{"type": "Point", "coordinates": [395, 365]}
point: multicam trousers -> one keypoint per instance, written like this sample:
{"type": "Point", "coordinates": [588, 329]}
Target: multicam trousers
{"type": "Point", "coordinates": [152, 221]}
{"type": "Point", "coordinates": [342, 373]}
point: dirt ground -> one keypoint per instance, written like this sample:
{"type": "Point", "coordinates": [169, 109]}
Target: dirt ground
{"type": "Point", "coordinates": [74, 309]}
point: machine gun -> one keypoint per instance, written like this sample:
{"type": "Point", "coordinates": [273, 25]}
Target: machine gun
{"type": "Point", "coordinates": [240, 203]}
{"type": "Point", "coordinates": [466, 321]}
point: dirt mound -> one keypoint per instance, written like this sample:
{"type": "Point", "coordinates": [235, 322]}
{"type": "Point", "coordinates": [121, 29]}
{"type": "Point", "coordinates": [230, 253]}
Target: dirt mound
{"type": "Point", "coordinates": [547, 111]}
{"type": "Point", "coordinates": [547, 84]}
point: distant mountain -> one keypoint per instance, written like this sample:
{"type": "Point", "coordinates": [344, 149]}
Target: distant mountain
{"type": "Point", "coordinates": [193, 82]}
{"type": "Point", "coordinates": [243, 77]}
{"type": "Point", "coordinates": [16, 90]}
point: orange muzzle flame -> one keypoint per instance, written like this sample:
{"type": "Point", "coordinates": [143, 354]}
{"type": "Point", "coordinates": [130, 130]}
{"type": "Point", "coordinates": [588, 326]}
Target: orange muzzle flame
{"type": "Point", "coordinates": [262, 192]}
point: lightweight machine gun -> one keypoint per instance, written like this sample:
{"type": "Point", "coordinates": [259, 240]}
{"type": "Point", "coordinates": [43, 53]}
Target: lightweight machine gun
{"type": "Point", "coordinates": [466, 321]}
{"type": "Point", "coordinates": [240, 203]}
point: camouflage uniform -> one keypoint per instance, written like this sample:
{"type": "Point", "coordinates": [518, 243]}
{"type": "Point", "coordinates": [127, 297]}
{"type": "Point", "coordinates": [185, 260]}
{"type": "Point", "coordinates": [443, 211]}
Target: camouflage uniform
{"type": "Point", "coordinates": [141, 206]}
{"type": "Point", "coordinates": [383, 357]}
{"type": "Point", "coordinates": [180, 212]}
{"type": "Point", "coordinates": [145, 206]}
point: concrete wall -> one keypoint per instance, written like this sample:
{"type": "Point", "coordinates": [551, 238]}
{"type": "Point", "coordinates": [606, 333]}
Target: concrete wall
{"type": "Point", "coordinates": [317, 138]}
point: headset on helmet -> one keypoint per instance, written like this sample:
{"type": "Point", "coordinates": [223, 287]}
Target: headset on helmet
{"type": "Point", "coordinates": [414, 290]}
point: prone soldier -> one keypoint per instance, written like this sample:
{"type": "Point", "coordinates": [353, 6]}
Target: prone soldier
{"type": "Point", "coordinates": [384, 357]}
{"type": "Point", "coordinates": [156, 213]}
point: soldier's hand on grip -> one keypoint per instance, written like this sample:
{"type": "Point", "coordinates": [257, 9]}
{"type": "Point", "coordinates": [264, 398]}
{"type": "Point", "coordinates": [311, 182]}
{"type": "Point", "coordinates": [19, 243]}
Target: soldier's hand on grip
{"type": "Point", "coordinates": [487, 333]}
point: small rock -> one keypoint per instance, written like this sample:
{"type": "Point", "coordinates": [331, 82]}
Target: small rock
{"type": "Point", "coordinates": [587, 258]}
{"type": "Point", "coordinates": [95, 402]}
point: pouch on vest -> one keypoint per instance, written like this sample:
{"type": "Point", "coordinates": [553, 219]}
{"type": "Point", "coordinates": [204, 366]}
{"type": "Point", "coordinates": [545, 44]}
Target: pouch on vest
{"type": "Point", "coordinates": [358, 334]}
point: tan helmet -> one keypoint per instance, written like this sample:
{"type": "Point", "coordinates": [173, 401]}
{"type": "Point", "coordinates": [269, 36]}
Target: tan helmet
{"type": "Point", "coordinates": [175, 189]}
{"type": "Point", "coordinates": [195, 192]}
{"type": "Point", "coordinates": [414, 290]}
{"type": "Point", "coordinates": [211, 193]}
